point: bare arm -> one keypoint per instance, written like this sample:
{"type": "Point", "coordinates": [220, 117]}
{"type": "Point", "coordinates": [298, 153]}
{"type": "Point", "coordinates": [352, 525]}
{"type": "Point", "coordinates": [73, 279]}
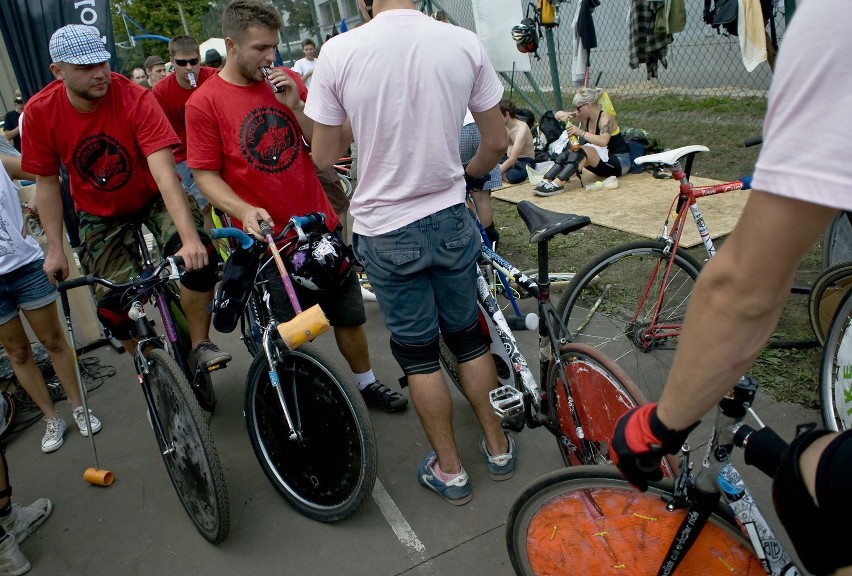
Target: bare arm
{"type": "Point", "coordinates": [13, 133]}
{"type": "Point", "coordinates": [290, 98]}
{"type": "Point", "coordinates": [608, 126]}
{"type": "Point", "coordinates": [328, 145]}
{"type": "Point", "coordinates": [162, 166]}
{"type": "Point", "coordinates": [12, 165]}
{"type": "Point", "coordinates": [493, 140]}
{"type": "Point", "coordinates": [223, 197]}
{"type": "Point", "coordinates": [49, 206]}
{"type": "Point", "coordinates": [522, 133]}
{"type": "Point", "coordinates": [737, 301]}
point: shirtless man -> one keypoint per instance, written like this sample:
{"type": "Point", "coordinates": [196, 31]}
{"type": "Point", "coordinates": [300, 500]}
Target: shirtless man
{"type": "Point", "coordinates": [521, 151]}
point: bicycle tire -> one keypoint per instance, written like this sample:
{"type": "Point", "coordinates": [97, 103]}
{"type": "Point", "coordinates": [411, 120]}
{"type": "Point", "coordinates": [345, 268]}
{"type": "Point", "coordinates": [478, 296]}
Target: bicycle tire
{"type": "Point", "coordinates": [201, 384]}
{"type": "Point", "coordinates": [588, 520]}
{"type": "Point", "coordinates": [11, 412]}
{"type": "Point", "coordinates": [835, 378]}
{"type": "Point", "coordinates": [617, 282]}
{"type": "Point", "coordinates": [188, 452]}
{"type": "Point", "coordinates": [346, 183]}
{"type": "Point", "coordinates": [601, 393]}
{"type": "Point", "coordinates": [827, 292]}
{"type": "Point", "coordinates": [837, 243]}
{"type": "Point", "coordinates": [330, 472]}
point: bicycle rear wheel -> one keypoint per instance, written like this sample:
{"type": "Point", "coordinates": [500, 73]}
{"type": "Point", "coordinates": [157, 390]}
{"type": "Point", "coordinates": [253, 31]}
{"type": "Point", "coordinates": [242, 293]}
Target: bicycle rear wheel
{"type": "Point", "coordinates": [201, 384]}
{"type": "Point", "coordinates": [837, 244]}
{"type": "Point", "coordinates": [835, 378]}
{"type": "Point", "coordinates": [600, 393]}
{"type": "Point", "coordinates": [590, 521]}
{"type": "Point", "coordinates": [188, 450]}
{"type": "Point", "coordinates": [328, 471]}
{"type": "Point", "coordinates": [610, 306]}
{"type": "Point", "coordinates": [827, 292]}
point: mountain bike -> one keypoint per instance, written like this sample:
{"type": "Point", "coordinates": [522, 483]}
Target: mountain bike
{"type": "Point", "coordinates": [579, 393]}
{"type": "Point", "coordinates": [307, 422]}
{"type": "Point", "coordinates": [181, 430]}
{"type": "Point", "coordinates": [588, 520]}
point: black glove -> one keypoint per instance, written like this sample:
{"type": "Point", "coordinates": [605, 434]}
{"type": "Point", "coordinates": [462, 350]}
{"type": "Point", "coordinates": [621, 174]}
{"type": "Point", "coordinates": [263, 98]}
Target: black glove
{"type": "Point", "coordinates": [471, 183]}
{"type": "Point", "coordinates": [640, 441]}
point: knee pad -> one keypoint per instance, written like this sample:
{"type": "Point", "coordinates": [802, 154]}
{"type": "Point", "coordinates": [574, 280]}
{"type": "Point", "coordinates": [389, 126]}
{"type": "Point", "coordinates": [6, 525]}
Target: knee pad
{"type": "Point", "coordinates": [467, 343]}
{"type": "Point", "coordinates": [821, 550]}
{"type": "Point", "coordinates": [567, 171]}
{"type": "Point", "coordinates": [112, 312]}
{"type": "Point", "coordinates": [416, 358]}
{"type": "Point", "coordinates": [554, 170]}
{"type": "Point", "coordinates": [198, 280]}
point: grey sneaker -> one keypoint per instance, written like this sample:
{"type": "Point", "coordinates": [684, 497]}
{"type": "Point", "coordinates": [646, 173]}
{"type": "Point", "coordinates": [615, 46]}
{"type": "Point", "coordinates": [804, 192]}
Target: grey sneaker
{"type": "Point", "coordinates": [546, 188]}
{"type": "Point", "coordinates": [80, 419]}
{"type": "Point", "coordinates": [456, 491]}
{"type": "Point", "coordinates": [54, 435]}
{"type": "Point", "coordinates": [502, 466]}
{"type": "Point", "coordinates": [12, 560]}
{"type": "Point", "coordinates": [23, 520]}
{"type": "Point", "coordinates": [208, 355]}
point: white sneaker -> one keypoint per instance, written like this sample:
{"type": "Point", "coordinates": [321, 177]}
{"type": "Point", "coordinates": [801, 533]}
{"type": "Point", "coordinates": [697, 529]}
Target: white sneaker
{"type": "Point", "coordinates": [80, 418]}
{"type": "Point", "coordinates": [12, 560]}
{"type": "Point", "coordinates": [23, 520]}
{"type": "Point", "coordinates": [53, 436]}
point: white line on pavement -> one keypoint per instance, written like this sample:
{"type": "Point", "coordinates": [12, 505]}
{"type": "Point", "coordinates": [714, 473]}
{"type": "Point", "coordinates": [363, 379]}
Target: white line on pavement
{"type": "Point", "coordinates": [397, 521]}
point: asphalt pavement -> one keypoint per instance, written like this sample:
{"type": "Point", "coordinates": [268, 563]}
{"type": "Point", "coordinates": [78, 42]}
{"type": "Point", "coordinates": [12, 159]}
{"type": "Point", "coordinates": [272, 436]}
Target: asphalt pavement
{"type": "Point", "coordinates": [138, 527]}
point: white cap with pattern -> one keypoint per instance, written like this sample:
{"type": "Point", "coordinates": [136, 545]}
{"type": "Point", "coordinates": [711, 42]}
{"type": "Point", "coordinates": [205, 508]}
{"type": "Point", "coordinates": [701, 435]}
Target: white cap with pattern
{"type": "Point", "coordinates": [78, 44]}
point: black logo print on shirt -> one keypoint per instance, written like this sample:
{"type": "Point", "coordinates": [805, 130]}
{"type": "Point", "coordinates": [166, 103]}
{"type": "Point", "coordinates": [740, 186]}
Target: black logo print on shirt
{"type": "Point", "coordinates": [103, 162]}
{"type": "Point", "coordinates": [269, 140]}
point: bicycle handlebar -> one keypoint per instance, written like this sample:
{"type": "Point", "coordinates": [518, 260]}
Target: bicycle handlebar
{"type": "Point", "coordinates": [172, 262]}
{"type": "Point", "coordinates": [762, 448]}
{"type": "Point", "coordinates": [244, 239]}
{"type": "Point", "coordinates": [753, 141]}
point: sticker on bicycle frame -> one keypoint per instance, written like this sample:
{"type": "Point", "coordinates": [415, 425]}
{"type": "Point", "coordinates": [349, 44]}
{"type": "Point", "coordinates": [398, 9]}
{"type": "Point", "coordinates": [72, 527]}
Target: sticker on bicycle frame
{"type": "Point", "coordinates": [843, 375]}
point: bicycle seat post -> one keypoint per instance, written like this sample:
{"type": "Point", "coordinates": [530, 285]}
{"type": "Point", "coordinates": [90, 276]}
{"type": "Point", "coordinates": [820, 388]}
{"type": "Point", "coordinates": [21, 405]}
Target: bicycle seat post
{"type": "Point", "coordinates": [143, 246]}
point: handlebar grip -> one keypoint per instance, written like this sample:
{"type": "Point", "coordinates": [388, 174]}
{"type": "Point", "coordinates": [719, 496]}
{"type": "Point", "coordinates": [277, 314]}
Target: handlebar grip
{"type": "Point", "coordinates": [244, 239]}
{"type": "Point", "coordinates": [265, 228]}
{"type": "Point", "coordinates": [647, 465]}
{"type": "Point", "coordinates": [86, 280]}
{"type": "Point", "coordinates": [746, 180]}
{"type": "Point", "coordinates": [762, 448]}
{"type": "Point", "coordinates": [308, 220]}
{"type": "Point", "coordinates": [753, 141]}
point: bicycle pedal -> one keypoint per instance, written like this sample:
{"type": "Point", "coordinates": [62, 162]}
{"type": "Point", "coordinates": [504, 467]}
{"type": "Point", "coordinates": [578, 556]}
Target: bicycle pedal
{"type": "Point", "coordinates": [507, 402]}
{"type": "Point", "coordinates": [215, 367]}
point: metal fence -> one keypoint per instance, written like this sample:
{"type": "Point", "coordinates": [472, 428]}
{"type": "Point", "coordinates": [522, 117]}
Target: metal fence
{"type": "Point", "coordinates": [701, 61]}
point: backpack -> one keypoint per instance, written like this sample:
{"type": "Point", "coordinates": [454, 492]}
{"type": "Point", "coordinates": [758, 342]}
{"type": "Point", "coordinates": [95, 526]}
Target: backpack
{"type": "Point", "coordinates": [550, 126]}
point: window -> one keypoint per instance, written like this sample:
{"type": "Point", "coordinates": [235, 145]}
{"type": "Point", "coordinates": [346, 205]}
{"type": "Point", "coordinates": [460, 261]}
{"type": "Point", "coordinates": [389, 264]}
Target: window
{"type": "Point", "coordinates": [329, 13]}
{"type": "Point", "coordinates": [350, 8]}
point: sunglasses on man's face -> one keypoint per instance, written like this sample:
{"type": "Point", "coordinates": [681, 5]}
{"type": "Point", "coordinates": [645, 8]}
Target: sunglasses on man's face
{"type": "Point", "coordinates": [182, 63]}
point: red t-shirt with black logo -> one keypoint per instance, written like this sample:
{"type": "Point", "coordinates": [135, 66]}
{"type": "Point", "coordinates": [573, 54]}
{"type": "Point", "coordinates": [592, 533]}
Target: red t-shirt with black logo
{"type": "Point", "coordinates": [172, 97]}
{"type": "Point", "coordinates": [255, 143]}
{"type": "Point", "coordinates": [105, 151]}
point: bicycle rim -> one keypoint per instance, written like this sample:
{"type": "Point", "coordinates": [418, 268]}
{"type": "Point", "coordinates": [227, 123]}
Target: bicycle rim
{"type": "Point", "coordinates": [837, 245]}
{"type": "Point", "coordinates": [601, 393]}
{"type": "Point", "coordinates": [590, 521]}
{"type": "Point", "coordinates": [610, 306]}
{"type": "Point", "coordinates": [835, 380]}
{"type": "Point", "coordinates": [188, 450]}
{"type": "Point", "coordinates": [827, 292]}
{"type": "Point", "coordinates": [329, 472]}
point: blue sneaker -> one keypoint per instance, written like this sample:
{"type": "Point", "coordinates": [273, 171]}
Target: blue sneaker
{"type": "Point", "coordinates": [456, 491]}
{"type": "Point", "coordinates": [502, 466]}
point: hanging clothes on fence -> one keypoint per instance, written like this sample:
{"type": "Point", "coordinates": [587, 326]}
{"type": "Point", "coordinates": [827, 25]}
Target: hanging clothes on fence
{"type": "Point", "coordinates": [647, 46]}
{"type": "Point", "coordinates": [751, 29]}
{"type": "Point", "coordinates": [583, 39]}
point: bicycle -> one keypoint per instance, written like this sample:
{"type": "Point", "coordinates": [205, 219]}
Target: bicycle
{"type": "Point", "coordinates": [589, 520]}
{"type": "Point", "coordinates": [307, 422]}
{"type": "Point", "coordinates": [183, 436]}
{"type": "Point", "coordinates": [576, 398]}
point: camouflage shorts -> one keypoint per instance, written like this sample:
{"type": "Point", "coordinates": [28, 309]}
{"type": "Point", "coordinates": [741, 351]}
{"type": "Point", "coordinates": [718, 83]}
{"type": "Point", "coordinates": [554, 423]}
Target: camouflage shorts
{"type": "Point", "coordinates": [108, 246]}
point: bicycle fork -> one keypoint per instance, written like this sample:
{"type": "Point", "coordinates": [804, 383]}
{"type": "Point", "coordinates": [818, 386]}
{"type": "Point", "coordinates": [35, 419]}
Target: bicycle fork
{"type": "Point", "coordinates": [294, 434]}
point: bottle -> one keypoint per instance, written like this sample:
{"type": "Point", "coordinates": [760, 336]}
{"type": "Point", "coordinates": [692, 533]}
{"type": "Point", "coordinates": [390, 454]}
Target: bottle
{"type": "Point", "coordinates": [574, 142]}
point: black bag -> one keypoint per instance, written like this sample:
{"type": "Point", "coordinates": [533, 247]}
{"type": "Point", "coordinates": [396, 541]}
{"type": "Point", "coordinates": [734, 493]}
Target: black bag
{"type": "Point", "coordinates": [235, 288]}
{"type": "Point", "coordinates": [527, 116]}
{"type": "Point", "coordinates": [550, 126]}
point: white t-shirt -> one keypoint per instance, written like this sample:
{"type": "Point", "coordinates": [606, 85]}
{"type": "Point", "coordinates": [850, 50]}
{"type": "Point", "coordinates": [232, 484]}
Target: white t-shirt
{"type": "Point", "coordinates": [805, 154]}
{"type": "Point", "coordinates": [303, 66]}
{"type": "Point", "coordinates": [404, 80]}
{"type": "Point", "coordinates": [15, 250]}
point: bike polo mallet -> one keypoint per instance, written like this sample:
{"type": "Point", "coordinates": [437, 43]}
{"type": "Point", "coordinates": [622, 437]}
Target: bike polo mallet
{"type": "Point", "coordinates": [96, 475]}
{"type": "Point", "coordinates": [306, 325]}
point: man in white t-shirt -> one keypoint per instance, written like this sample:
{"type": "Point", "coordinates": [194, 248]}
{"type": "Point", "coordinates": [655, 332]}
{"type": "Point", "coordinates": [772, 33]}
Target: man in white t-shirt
{"type": "Point", "coordinates": [741, 292]}
{"type": "Point", "coordinates": [305, 66]}
{"type": "Point", "coordinates": [412, 230]}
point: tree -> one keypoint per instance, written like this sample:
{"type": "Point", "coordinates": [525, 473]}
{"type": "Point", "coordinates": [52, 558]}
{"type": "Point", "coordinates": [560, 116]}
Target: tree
{"type": "Point", "coordinates": [299, 15]}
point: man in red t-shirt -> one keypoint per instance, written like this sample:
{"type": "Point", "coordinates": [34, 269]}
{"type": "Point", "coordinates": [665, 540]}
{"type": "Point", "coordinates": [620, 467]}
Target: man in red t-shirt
{"type": "Point", "coordinates": [172, 92]}
{"type": "Point", "coordinates": [117, 145]}
{"type": "Point", "coordinates": [245, 147]}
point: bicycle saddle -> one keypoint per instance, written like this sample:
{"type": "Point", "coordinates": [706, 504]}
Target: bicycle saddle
{"type": "Point", "coordinates": [544, 224]}
{"type": "Point", "coordinates": [670, 157]}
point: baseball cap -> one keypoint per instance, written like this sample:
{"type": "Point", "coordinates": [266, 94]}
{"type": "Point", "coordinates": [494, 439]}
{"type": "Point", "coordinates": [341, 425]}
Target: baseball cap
{"type": "Point", "coordinates": [212, 56]}
{"type": "Point", "coordinates": [152, 61]}
{"type": "Point", "coordinates": [78, 44]}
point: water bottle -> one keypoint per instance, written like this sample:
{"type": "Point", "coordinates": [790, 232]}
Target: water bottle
{"type": "Point", "coordinates": [574, 142]}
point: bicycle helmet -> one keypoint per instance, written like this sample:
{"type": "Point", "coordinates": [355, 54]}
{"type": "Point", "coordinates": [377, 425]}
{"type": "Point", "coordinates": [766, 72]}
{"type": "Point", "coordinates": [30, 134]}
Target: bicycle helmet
{"type": "Point", "coordinates": [526, 36]}
{"type": "Point", "coordinates": [321, 262]}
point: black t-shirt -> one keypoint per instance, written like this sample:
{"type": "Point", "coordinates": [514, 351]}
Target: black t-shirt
{"type": "Point", "coordinates": [10, 122]}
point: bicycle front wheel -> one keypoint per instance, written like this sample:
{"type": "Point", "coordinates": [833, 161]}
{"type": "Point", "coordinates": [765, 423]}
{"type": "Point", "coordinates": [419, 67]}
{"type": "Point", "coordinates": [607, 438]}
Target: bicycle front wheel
{"type": "Point", "coordinates": [630, 306]}
{"type": "Point", "coordinates": [588, 520]}
{"type": "Point", "coordinates": [600, 393]}
{"type": "Point", "coordinates": [187, 448]}
{"type": "Point", "coordinates": [835, 377]}
{"type": "Point", "coordinates": [326, 466]}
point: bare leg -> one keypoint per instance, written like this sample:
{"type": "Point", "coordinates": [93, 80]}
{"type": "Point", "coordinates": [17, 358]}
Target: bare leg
{"type": "Point", "coordinates": [478, 377]}
{"type": "Point", "coordinates": [195, 305]}
{"type": "Point", "coordinates": [431, 399]}
{"type": "Point", "coordinates": [352, 343]}
{"type": "Point", "coordinates": [484, 206]}
{"type": "Point", "coordinates": [17, 345]}
{"type": "Point", "coordinates": [46, 326]}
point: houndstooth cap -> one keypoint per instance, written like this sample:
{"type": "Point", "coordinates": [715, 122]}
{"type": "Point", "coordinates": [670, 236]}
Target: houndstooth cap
{"type": "Point", "coordinates": [78, 44]}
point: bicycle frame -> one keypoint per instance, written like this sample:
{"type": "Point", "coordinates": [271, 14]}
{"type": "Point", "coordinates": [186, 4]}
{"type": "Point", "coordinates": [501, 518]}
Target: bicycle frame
{"type": "Point", "coordinates": [717, 478]}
